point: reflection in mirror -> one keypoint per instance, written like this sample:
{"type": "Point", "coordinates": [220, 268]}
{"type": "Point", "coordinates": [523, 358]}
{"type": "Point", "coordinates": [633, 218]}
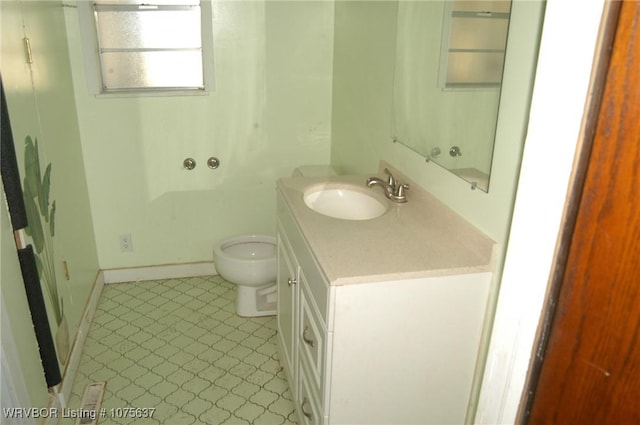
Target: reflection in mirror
{"type": "Point", "coordinates": [448, 72]}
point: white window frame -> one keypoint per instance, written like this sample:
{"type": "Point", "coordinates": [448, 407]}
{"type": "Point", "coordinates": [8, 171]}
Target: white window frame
{"type": "Point", "coordinates": [90, 50]}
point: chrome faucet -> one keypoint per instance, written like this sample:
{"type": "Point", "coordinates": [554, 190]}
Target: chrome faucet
{"type": "Point", "coordinates": [392, 189]}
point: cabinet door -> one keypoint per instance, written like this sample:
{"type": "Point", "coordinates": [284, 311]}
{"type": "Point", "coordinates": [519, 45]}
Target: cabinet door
{"type": "Point", "coordinates": [287, 299]}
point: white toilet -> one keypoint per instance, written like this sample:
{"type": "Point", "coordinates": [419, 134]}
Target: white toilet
{"type": "Point", "coordinates": [249, 261]}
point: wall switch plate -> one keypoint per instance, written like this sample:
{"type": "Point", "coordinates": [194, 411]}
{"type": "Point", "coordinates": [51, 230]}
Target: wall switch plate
{"type": "Point", "coordinates": [126, 243]}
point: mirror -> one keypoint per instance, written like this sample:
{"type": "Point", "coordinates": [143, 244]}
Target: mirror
{"type": "Point", "coordinates": [448, 72]}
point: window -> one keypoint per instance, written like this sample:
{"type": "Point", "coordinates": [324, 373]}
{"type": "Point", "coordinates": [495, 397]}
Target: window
{"type": "Point", "coordinates": [474, 42]}
{"type": "Point", "coordinates": [157, 46]}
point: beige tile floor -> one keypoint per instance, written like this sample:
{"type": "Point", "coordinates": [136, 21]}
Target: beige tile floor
{"type": "Point", "coordinates": [178, 347]}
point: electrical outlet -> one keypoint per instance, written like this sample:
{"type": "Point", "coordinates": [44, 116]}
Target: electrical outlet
{"type": "Point", "coordinates": [126, 243]}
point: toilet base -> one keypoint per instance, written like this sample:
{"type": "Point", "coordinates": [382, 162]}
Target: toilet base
{"type": "Point", "coordinates": [258, 301]}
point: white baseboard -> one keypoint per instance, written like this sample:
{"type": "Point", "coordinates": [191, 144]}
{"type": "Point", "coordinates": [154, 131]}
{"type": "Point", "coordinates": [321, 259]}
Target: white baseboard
{"type": "Point", "coordinates": [168, 271]}
{"type": "Point", "coordinates": [62, 392]}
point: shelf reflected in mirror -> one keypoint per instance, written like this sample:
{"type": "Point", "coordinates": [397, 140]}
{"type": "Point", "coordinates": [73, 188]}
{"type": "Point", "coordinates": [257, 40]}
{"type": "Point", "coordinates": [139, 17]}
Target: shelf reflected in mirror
{"type": "Point", "coordinates": [447, 83]}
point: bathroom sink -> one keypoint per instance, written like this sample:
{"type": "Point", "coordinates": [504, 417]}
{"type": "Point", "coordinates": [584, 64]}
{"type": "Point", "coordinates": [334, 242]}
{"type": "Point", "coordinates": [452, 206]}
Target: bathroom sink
{"type": "Point", "coordinates": [344, 203]}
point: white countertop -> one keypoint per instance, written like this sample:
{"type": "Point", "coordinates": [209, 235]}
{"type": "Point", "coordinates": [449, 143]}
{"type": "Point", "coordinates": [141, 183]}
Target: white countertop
{"type": "Point", "coordinates": [419, 238]}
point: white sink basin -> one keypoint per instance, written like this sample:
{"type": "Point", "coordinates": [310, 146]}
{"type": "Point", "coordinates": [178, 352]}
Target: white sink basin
{"type": "Point", "coordinates": [344, 203]}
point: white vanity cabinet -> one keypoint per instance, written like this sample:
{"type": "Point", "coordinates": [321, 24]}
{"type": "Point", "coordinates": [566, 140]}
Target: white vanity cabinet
{"type": "Point", "coordinates": [395, 351]}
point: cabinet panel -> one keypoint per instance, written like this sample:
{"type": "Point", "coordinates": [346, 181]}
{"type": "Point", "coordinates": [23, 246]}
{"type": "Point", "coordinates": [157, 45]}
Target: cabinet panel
{"type": "Point", "coordinates": [287, 300]}
{"type": "Point", "coordinates": [312, 334]}
{"type": "Point", "coordinates": [318, 285]}
{"type": "Point", "coordinates": [409, 344]}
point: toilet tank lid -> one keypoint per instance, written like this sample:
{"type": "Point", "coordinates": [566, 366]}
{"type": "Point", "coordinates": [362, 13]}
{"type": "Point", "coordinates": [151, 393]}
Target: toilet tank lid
{"type": "Point", "coordinates": [314, 171]}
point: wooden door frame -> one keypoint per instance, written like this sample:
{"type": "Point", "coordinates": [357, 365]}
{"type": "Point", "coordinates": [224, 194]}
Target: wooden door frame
{"type": "Point", "coordinates": [602, 58]}
{"type": "Point", "coordinates": [589, 348]}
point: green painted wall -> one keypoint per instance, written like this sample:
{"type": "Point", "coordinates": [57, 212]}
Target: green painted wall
{"type": "Point", "coordinates": [270, 112]}
{"type": "Point", "coordinates": [362, 109]}
{"type": "Point", "coordinates": [296, 83]}
{"type": "Point", "coordinates": [365, 37]}
{"type": "Point", "coordinates": [41, 105]}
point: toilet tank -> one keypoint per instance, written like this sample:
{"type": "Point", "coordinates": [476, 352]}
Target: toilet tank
{"type": "Point", "coordinates": [313, 171]}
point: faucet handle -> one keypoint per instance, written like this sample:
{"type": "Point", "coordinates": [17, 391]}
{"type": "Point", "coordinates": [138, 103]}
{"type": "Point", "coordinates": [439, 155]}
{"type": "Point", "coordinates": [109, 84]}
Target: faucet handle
{"type": "Point", "coordinates": [392, 180]}
{"type": "Point", "coordinates": [401, 189]}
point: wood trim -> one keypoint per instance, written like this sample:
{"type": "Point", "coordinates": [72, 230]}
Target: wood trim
{"type": "Point", "coordinates": [592, 348]}
{"type": "Point", "coordinates": [583, 154]}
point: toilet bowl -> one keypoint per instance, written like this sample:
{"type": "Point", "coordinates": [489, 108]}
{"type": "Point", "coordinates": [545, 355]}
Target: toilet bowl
{"type": "Point", "coordinates": [249, 261]}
